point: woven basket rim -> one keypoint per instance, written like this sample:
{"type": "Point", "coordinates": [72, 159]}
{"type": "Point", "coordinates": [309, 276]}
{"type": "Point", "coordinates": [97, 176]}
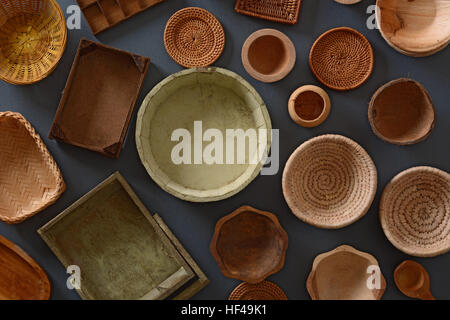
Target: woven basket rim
{"type": "Point", "coordinates": [61, 186]}
{"type": "Point", "coordinates": [407, 249]}
{"type": "Point", "coordinates": [56, 63]}
{"type": "Point", "coordinates": [246, 287]}
{"type": "Point", "coordinates": [368, 200]}
{"type": "Point", "coordinates": [267, 17]}
{"type": "Point", "coordinates": [372, 104]}
{"type": "Point", "coordinates": [359, 35]}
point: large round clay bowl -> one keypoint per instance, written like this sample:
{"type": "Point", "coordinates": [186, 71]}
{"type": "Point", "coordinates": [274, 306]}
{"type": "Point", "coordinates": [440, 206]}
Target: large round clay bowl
{"type": "Point", "coordinates": [415, 211]}
{"type": "Point", "coordinates": [343, 274]}
{"type": "Point", "coordinates": [222, 101]}
{"type": "Point", "coordinates": [329, 182]}
{"type": "Point", "coordinates": [249, 245]}
{"type": "Point", "coordinates": [402, 112]}
{"type": "Point", "coordinates": [415, 28]}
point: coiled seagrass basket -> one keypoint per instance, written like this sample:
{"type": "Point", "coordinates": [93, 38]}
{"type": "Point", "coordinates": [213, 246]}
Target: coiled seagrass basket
{"type": "Point", "coordinates": [265, 290]}
{"type": "Point", "coordinates": [33, 37]}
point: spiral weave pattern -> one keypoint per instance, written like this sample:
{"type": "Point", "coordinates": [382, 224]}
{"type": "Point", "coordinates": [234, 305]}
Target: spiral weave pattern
{"type": "Point", "coordinates": [415, 211]}
{"type": "Point", "coordinates": [265, 290]}
{"type": "Point", "coordinates": [330, 181]}
{"type": "Point", "coordinates": [30, 178]}
{"type": "Point", "coordinates": [284, 11]}
{"type": "Point", "coordinates": [194, 38]}
{"type": "Point", "coordinates": [342, 59]}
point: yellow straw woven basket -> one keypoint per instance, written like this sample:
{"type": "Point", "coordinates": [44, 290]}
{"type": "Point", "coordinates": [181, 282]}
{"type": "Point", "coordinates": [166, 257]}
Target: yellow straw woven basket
{"type": "Point", "coordinates": [33, 37]}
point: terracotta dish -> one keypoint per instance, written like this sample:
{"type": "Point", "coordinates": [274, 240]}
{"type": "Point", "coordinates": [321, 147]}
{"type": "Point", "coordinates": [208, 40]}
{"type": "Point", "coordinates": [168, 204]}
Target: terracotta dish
{"type": "Point", "coordinates": [30, 179]}
{"type": "Point", "coordinates": [344, 274]}
{"type": "Point", "coordinates": [347, 1]}
{"type": "Point", "coordinates": [415, 28]}
{"type": "Point", "coordinates": [329, 181]}
{"type": "Point", "coordinates": [413, 280]}
{"type": "Point", "coordinates": [265, 290]}
{"type": "Point", "coordinates": [309, 106]}
{"type": "Point", "coordinates": [33, 38]}
{"type": "Point", "coordinates": [105, 14]}
{"type": "Point", "coordinates": [268, 55]}
{"type": "Point", "coordinates": [21, 278]}
{"type": "Point", "coordinates": [402, 112]}
{"type": "Point", "coordinates": [415, 211]}
{"type": "Point", "coordinates": [221, 100]}
{"type": "Point", "coordinates": [249, 245]}
{"type": "Point", "coordinates": [194, 37]}
{"type": "Point", "coordinates": [284, 11]}
{"type": "Point", "coordinates": [99, 98]}
{"type": "Point", "coordinates": [342, 59]}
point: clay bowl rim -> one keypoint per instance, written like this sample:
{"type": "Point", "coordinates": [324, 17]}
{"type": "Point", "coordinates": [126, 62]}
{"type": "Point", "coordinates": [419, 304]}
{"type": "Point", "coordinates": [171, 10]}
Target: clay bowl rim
{"type": "Point", "coordinates": [218, 258]}
{"type": "Point", "coordinates": [288, 46]}
{"type": "Point", "coordinates": [325, 111]}
{"type": "Point", "coordinates": [419, 53]}
{"type": "Point", "coordinates": [372, 105]}
{"type": "Point", "coordinates": [359, 35]}
{"type": "Point", "coordinates": [385, 227]}
{"type": "Point", "coordinates": [370, 198]}
{"type": "Point", "coordinates": [343, 248]}
{"type": "Point", "coordinates": [347, 2]}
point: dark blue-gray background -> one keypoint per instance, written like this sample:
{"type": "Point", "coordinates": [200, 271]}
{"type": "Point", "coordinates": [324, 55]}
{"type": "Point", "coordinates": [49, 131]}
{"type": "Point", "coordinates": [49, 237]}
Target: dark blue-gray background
{"type": "Point", "coordinates": [193, 224]}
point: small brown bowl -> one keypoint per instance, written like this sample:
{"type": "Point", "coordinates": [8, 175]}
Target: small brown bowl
{"type": "Point", "coordinates": [249, 245]}
{"type": "Point", "coordinates": [309, 106]}
{"type": "Point", "coordinates": [402, 112]}
{"type": "Point", "coordinates": [268, 55]}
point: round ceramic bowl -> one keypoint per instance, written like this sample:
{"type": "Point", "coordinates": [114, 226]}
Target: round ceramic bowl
{"type": "Point", "coordinates": [175, 144]}
{"type": "Point", "coordinates": [249, 245]}
{"type": "Point", "coordinates": [347, 1]}
{"type": "Point", "coordinates": [329, 182]}
{"type": "Point", "coordinates": [415, 28]}
{"type": "Point", "coordinates": [402, 112]}
{"type": "Point", "coordinates": [268, 55]}
{"type": "Point", "coordinates": [309, 106]}
{"type": "Point", "coordinates": [415, 211]}
{"type": "Point", "coordinates": [343, 274]}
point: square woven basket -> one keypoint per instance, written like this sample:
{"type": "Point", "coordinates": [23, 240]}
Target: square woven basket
{"type": "Point", "coordinates": [284, 11]}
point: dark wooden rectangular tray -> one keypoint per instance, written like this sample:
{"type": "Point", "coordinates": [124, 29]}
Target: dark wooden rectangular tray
{"type": "Point", "coordinates": [284, 11]}
{"type": "Point", "coordinates": [99, 98]}
{"type": "Point", "coordinates": [104, 14]}
{"type": "Point", "coordinates": [123, 252]}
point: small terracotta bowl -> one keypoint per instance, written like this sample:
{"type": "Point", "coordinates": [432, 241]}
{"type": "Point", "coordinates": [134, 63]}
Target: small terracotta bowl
{"type": "Point", "coordinates": [249, 245]}
{"type": "Point", "coordinates": [309, 106]}
{"type": "Point", "coordinates": [344, 274]}
{"type": "Point", "coordinates": [268, 55]}
{"type": "Point", "coordinates": [402, 112]}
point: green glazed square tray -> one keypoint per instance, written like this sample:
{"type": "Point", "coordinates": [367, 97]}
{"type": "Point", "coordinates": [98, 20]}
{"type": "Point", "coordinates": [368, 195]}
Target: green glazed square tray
{"type": "Point", "coordinates": [123, 252]}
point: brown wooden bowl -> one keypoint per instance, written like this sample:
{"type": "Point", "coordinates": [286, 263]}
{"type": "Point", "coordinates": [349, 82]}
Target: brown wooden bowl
{"type": "Point", "coordinates": [415, 28]}
{"type": "Point", "coordinates": [249, 245]}
{"type": "Point", "coordinates": [402, 112]}
{"type": "Point", "coordinates": [309, 106]}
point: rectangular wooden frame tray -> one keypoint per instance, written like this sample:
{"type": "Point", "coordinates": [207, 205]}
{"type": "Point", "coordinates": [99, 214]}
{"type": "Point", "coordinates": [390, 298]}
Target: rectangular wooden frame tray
{"type": "Point", "coordinates": [285, 11]}
{"type": "Point", "coordinates": [123, 252]}
{"type": "Point", "coordinates": [104, 14]}
{"type": "Point", "coordinates": [99, 98]}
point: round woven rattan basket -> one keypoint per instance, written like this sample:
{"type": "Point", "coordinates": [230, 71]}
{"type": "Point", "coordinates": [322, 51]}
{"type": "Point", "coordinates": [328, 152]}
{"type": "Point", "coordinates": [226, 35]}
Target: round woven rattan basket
{"type": "Point", "coordinates": [329, 182]}
{"type": "Point", "coordinates": [194, 37]}
{"type": "Point", "coordinates": [265, 290]}
{"type": "Point", "coordinates": [33, 38]}
{"type": "Point", "coordinates": [30, 178]}
{"type": "Point", "coordinates": [342, 59]}
{"type": "Point", "coordinates": [415, 211]}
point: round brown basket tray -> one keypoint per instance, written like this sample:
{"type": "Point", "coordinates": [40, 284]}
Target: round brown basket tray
{"type": "Point", "coordinates": [329, 181]}
{"type": "Point", "coordinates": [265, 290]}
{"type": "Point", "coordinates": [33, 38]}
{"type": "Point", "coordinates": [415, 211]}
{"type": "Point", "coordinates": [194, 37]}
{"type": "Point", "coordinates": [342, 59]}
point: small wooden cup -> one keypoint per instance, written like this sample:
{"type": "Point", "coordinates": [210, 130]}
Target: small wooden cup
{"type": "Point", "coordinates": [309, 106]}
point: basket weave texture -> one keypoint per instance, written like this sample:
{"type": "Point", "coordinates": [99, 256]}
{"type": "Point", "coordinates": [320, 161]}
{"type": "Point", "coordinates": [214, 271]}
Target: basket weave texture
{"type": "Point", "coordinates": [194, 37]}
{"type": "Point", "coordinates": [284, 11]}
{"type": "Point", "coordinates": [415, 211]}
{"type": "Point", "coordinates": [265, 290]}
{"type": "Point", "coordinates": [33, 37]}
{"type": "Point", "coordinates": [329, 181]}
{"type": "Point", "coordinates": [342, 59]}
{"type": "Point", "coordinates": [30, 178]}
